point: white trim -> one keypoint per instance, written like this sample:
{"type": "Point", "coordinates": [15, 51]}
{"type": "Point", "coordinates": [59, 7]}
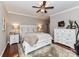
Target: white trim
{"type": "Point", "coordinates": [12, 12]}
{"type": "Point", "coordinates": [3, 50]}
{"type": "Point", "coordinates": [67, 10]}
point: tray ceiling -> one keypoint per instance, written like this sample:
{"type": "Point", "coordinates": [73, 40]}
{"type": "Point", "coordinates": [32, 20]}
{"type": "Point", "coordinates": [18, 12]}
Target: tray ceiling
{"type": "Point", "coordinates": [25, 7]}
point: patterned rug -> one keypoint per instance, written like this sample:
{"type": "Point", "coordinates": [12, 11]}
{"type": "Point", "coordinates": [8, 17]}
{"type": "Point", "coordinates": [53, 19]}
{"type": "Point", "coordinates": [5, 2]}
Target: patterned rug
{"type": "Point", "coordinates": [48, 51]}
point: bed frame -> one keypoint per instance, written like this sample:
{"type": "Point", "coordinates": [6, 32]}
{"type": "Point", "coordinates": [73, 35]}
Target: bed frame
{"type": "Point", "coordinates": [25, 45]}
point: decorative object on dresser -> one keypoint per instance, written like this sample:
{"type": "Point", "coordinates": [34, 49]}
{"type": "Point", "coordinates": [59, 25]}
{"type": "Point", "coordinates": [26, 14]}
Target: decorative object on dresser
{"type": "Point", "coordinates": [71, 25]}
{"type": "Point", "coordinates": [61, 24]}
{"type": "Point", "coordinates": [13, 38]}
{"type": "Point", "coordinates": [65, 36]}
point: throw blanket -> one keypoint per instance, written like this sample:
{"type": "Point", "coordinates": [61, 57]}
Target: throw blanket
{"type": "Point", "coordinates": [30, 39]}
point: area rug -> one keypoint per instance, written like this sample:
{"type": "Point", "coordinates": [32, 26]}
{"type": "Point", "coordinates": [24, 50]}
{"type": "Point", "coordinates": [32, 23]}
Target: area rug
{"type": "Point", "coordinates": [48, 51]}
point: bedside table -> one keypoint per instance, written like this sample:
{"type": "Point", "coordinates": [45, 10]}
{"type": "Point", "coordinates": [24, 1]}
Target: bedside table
{"type": "Point", "coordinates": [13, 38]}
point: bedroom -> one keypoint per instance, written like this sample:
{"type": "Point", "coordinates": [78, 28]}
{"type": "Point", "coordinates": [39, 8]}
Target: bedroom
{"type": "Point", "coordinates": [28, 32]}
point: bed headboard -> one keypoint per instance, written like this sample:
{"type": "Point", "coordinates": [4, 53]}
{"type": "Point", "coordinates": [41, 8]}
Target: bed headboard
{"type": "Point", "coordinates": [28, 28]}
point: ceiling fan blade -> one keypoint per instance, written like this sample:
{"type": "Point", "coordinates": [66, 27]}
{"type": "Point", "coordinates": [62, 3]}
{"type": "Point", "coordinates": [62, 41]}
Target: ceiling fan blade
{"type": "Point", "coordinates": [49, 7]}
{"type": "Point", "coordinates": [35, 7]}
{"type": "Point", "coordinates": [38, 10]}
{"type": "Point", "coordinates": [44, 3]}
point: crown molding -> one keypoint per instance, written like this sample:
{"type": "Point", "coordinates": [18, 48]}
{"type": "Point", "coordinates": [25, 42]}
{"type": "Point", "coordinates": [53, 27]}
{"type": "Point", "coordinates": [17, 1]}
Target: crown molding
{"type": "Point", "coordinates": [67, 10]}
{"type": "Point", "coordinates": [37, 17]}
{"type": "Point", "coordinates": [12, 12]}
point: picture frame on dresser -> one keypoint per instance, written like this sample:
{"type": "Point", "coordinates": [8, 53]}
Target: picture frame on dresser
{"type": "Point", "coordinates": [61, 24]}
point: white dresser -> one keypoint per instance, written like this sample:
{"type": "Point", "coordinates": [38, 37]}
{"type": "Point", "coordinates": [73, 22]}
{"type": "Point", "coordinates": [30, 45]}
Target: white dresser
{"type": "Point", "coordinates": [65, 36]}
{"type": "Point", "coordinates": [13, 38]}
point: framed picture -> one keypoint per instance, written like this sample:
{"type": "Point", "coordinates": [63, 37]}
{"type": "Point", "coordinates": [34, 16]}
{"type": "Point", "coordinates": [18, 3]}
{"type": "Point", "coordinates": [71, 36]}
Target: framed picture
{"type": "Point", "coordinates": [4, 24]}
{"type": "Point", "coordinates": [61, 24]}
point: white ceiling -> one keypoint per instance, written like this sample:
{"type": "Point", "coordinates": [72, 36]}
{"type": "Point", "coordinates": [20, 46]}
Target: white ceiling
{"type": "Point", "coordinates": [25, 7]}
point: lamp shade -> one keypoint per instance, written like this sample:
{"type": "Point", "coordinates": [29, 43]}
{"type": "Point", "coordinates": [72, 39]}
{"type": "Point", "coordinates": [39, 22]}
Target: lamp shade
{"type": "Point", "coordinates": [40, 29]}
{"type": "Point", "coordinates": [15, 27]}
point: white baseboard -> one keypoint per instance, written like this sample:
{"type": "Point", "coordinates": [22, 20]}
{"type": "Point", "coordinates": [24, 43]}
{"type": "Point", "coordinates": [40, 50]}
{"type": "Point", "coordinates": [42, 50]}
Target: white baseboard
{"type": "Point", "coordinates": [3, 50]}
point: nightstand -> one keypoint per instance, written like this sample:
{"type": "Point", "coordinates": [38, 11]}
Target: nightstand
{"type": "Point", "coordinates": [13, 38]}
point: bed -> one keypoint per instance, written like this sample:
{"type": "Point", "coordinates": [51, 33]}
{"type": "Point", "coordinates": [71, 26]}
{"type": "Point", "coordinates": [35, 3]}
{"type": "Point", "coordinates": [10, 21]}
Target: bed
{"type": "Point", "coordinates": [31, 39]}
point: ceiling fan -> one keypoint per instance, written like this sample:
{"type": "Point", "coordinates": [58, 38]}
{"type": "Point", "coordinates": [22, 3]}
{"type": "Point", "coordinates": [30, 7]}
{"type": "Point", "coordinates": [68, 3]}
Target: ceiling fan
{"type": "Point", "coordinates": [43, 7]}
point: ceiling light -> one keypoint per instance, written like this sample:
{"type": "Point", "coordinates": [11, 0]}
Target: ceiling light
{"type": "Point", "coordinates": [42, 10]}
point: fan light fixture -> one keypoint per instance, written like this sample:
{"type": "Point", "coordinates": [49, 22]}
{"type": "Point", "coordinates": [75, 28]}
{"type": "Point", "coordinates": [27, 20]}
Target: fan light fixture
{"type": "Point", "coordinates": [42, 10]}
{"type": "Point", "coordinates": [43, 7]}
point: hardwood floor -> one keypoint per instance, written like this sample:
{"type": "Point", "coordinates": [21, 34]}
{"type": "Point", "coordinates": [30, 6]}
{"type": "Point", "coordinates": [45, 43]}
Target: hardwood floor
{"type": "Point", "coordinates": [11, 51]}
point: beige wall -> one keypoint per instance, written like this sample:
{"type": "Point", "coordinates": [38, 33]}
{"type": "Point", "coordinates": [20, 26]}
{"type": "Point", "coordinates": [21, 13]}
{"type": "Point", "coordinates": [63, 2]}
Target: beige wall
{"type": "Point", "coordinates": [2, 33]}
{"type": "Point", "coordinates": [71, 14]}
{"type": "Point", "coordinates": [24, 20]}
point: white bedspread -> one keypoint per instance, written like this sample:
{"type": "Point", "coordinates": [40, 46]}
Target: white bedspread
{"type": "Point", "coordinates": [34, 37]}
{"type": "Point", "coordinates": [30, 39]}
